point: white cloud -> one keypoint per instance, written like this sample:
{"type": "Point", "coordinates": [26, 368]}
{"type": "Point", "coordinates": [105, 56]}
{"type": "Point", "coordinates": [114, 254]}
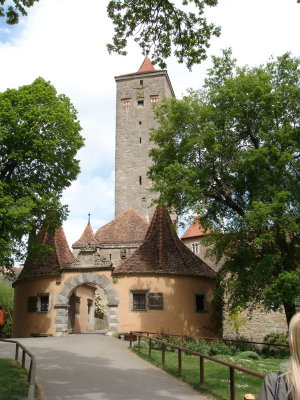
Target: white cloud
{"type": "Point", "coordinates": [64, 41]}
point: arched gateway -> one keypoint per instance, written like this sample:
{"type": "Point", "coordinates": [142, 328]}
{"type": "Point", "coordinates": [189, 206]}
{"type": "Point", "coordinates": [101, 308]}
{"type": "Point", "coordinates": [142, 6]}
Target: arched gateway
{"type": "Point", "coordinates": [62, 301]}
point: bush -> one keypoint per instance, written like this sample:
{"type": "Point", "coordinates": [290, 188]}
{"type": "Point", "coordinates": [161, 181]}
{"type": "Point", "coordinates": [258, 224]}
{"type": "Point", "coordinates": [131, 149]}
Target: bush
{"type": "Point", "coordinates": [219, 347]}
{"type": "Point", "coordinates": [275, 351]}
{"type": "Point", "coordinates": [243, 344]}
{"type": "Point", "coordinates": [6, 301]}
{"type": "Point", "coordinates": [249, 354]}
{"type": "Point", "coordinates": [144, 344]}
{"type": "Point", "coordinates": [276, 338]}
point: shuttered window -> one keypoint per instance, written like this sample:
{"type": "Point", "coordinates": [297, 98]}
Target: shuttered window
{"type": "Point", "coordinates": [155, 301]}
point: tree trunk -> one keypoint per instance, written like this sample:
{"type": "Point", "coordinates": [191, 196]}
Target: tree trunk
{"type": "Point", "coordinates": [290, 310]}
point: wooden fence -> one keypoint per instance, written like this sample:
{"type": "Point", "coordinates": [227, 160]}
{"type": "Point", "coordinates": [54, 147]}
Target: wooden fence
{"type": "Point", "coordinates": [202, 357]}
{"type": "Point", "coordinates": [32, 366]}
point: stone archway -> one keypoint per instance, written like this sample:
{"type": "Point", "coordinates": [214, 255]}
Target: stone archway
{"type": "Point", "coordinates": [62, 301]}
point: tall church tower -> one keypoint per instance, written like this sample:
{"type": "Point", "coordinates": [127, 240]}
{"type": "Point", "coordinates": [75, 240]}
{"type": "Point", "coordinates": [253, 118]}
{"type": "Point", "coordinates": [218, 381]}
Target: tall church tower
{"type": "Point", "coordinates": [137, 93]}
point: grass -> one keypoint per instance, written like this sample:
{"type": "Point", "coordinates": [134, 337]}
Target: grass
{"type": "Point", "coordinates": [216, 376]}
{"type": "Point", "coordinates": [13, 381]}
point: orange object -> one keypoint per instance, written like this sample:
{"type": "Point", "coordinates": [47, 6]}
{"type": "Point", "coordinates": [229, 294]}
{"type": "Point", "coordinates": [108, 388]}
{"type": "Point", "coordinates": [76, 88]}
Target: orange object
{"type": "Point", "coordinates": [1, 317]}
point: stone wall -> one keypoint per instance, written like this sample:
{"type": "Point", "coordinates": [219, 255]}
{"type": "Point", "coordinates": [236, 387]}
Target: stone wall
{"type": "Point", "coordinates": [137, 94]}
{"type": "Point", "coordinates": [258, 325]}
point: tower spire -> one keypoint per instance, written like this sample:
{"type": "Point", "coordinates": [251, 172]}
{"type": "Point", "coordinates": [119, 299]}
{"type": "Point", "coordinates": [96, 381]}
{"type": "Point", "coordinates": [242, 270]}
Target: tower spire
{"type": "Point", "coordinates": [146, 66]}
{"type": "Point", "coordinates": [89, 219]}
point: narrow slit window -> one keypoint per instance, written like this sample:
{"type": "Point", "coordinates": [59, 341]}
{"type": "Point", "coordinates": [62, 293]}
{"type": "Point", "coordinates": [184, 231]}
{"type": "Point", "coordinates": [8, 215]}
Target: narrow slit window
{"type": "Point", "coordinates": [140, 140]}
{"type": "Point", "coordinates": [140, 122]}
{"type": "Point", "coordinates": [140, 180]}
{"type": "Point", "coordinates": [200, 303]}
{"type": "Point", "coordinates": [141, 82]}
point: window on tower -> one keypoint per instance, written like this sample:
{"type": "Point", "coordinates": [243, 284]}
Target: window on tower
{"type": "Point", "coordinates": [140, 103]}
{"type": "Point", "coordinates": [125, 102]}
{"type": "Point", "coordinates": [141, 82]}
{"type": "Point", "coordinates": [153, 99]}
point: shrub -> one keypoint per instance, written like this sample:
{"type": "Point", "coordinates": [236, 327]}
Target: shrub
{"type": "Point", "coordinates": [243, 344]}
{"type": "Point", "coordinates": [99, 306]}
{"type": "Point", "coordinates": [7, 300]}
{"type": "Point", "coordinates": [144, 344]}
{"type": "Point", "coordinates": [219, 347]}
{"type": "Point", "coordinates": [276, 338]}
{"type": "Point", "coordinates": [275, 351]}
{"type": "Point", "coordinates": [249, 354]}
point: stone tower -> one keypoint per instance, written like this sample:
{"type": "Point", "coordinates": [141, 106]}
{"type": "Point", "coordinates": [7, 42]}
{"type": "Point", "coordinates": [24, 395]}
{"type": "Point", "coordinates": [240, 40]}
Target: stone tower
{"type": "Point", "coordinates": [137, 93]}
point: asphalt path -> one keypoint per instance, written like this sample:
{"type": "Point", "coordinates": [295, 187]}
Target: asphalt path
{"type": "Point", "coordinates": [98, 367]}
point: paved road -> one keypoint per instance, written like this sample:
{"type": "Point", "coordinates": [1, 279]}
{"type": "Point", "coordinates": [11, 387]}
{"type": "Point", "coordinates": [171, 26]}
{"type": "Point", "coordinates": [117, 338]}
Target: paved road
{"type": "Point", "coordinates": [97, 367]}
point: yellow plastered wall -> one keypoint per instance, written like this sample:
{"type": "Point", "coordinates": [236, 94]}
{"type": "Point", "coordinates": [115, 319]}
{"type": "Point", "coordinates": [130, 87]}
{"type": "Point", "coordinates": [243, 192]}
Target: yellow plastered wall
{"type": "Point", "coordinates": [178, 315]}
{"type": "Point", "coordinates": [27, 323]}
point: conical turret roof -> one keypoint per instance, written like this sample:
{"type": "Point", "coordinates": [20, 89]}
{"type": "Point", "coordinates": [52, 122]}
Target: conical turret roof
{"type": "Point", "coordinates": [162, 252]}
{"type": "Point", "coordinates": [86, 238]}
{"type": "Point", "coordinates": [47, 262]}
{"type": "Point", "coordinates": [128, 227]}
{"type": "Point", "coordinates": [146, 66]}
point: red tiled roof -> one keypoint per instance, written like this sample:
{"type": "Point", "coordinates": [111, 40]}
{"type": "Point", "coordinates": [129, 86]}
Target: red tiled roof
{"type": "Point", "coordinates": [41, 262]}
{"type": "Point", "coordinates": [194, 230]}
{"type": "Point", "coordinates": [162, 252]}
{"type": "Point", "coordinates": [86, 238]}
{"type": "Point", "coordinates": [146, 66]}
{"type": "Point", "coordinates": [127, 227]}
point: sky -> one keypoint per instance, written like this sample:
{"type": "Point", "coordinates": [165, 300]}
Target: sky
{"type": "Point", "coordinates": [64, 41]}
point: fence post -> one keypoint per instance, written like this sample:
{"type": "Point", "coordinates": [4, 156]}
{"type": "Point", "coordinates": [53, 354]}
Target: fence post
{"type": "Point", "coordinates": [163, 356]}
{"type": "Point", "coordinates": [23, 358]}
{"type": "Point", "coordinates": [31, 379]}
{"type": "Point", "coordinates": [150, 346]}
{"type": "Point", "coordinates": [179, 362]}
{"type": "Point", "coordinates": [201, 359]}
{"type": "Point", "coordinates": [17, 352]}
{"type": "Point", "coordinates": [139, 343]}
{"type": "Point", "coordinates": [231, 377]}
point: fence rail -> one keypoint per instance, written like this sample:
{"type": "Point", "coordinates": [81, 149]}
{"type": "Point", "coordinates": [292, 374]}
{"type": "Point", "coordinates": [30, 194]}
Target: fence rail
{"type": "Point", "coordinates": [32, 366]}
{"type": "Point", "coordinates": [218, 338]}
{"type": "Point", "coordinates": [202, 357]}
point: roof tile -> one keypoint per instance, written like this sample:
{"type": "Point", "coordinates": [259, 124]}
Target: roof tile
{"type": "Point", "coordinates": [86, 238]}
{"type": "Point", "coordinates": [194, 230]}
{"type": "Point", "coordinates": [162, 252]}
{"type": "Point", "coordinates": [127, 227]}
{"type": "Point", "coordinates": [50, 262]}
{"type": "Point", "coordinates": [146, 66]}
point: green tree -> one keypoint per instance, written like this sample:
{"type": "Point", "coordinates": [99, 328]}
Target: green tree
{"type": "Point", "coordinates": [230, 152]}
{"type": "Point", "coordinates": [7, 302]}
{"type": "Point", "coordinates": [159, 27]}
{"type": "Point", "coordinates": [39, 138]}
